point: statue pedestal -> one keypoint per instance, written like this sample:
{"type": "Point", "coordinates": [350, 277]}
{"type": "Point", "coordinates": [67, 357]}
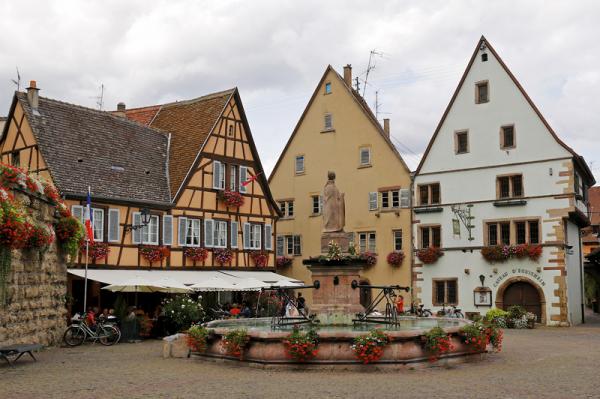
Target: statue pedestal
{"type": "Point", "coordinates": [341, 238]}
{"type": "Point", "coordinates": [335, 302]}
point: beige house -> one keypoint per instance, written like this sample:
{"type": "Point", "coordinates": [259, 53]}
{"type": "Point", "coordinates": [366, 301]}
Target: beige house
{"type": "Point", "coordinates": [338, 132]}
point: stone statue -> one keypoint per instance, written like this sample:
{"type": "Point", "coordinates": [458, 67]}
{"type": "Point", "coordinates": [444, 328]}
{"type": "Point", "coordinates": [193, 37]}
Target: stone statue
{"type": "Point", "coordinates": [334, 208]}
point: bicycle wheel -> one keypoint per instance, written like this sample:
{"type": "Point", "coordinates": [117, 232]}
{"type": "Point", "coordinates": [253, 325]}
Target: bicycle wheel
{"type": "Point", "coordinates": [109, 335]}
{"type": "Point", "coordinates": [426, 313]}
{"type": "Point", "coordinates": [459, 315]}
{"type": "Point", "coordinates": [74, 336]}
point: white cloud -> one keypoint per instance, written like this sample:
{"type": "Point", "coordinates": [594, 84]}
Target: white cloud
{"type": "Point", "coordinates": [275, 52]}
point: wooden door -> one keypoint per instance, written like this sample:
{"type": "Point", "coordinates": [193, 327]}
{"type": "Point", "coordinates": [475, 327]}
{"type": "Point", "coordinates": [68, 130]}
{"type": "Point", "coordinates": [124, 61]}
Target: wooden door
{"type": "Point", "coordinates": [524, 294]}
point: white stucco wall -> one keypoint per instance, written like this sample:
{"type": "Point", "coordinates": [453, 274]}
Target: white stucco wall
{"type": "Point", "coordinates": [574, 273]}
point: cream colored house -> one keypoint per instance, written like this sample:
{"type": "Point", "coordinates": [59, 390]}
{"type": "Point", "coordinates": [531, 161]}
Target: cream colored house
{"type": "Point", "coordinates": [338, 132]}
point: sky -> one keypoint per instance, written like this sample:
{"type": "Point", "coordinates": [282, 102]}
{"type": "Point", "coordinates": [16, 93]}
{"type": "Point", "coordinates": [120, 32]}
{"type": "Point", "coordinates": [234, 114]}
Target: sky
{"type": "Point", "coordinates": [147, 52]}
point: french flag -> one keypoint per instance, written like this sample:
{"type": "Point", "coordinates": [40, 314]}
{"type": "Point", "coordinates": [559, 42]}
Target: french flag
{"type": "Point", "coordinates": [88, 217]}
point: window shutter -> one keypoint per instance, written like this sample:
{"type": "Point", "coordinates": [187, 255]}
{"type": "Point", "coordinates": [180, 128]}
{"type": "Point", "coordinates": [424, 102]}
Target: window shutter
{"type": "Point", "coordinates": [243, 178]}
{"type": "Point", "coordinates": [217, 174]}
{"type": "Point", "coordinates": [268, 237]}
{"type": "Point", "coordinates": [136, 234]}
{"type": "Point", "coordinates": [247, 235]}
{"type": "Point", "coordinates": [167, 230]}
{"type": "Point", "coordinates": [209, 226]}
{"type": "Point", "coordinates": [297, 246]}
{"type": "Point", "coordinates": [404, 198]}
{"type": "Point", "coordinates": [77, 211]}
{"type": "Point", "coordinates": [280, 244]}
{"type": "Point", "coordinates": [113, 225]}
{"type": "Point", "coordinates": [373, 201]}
{"type": "Point", "coordinates": [181, 233]}
{"type": "Point", "coordinates": [234, 234]}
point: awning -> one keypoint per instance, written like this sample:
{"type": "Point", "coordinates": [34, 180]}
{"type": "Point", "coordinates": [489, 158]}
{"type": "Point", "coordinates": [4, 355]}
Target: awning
{"type": "Point", "coordinates": [228, 280]}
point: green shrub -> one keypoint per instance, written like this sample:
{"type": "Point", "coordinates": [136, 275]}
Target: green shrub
{"type": "Point", "coordinates": [197, 338]}
{"type": "Point", "coordinates": [181, 311]}
{"type": "Point", "coordinates": [516, 312]}
{"type": "Point", "coordinates": [494, 313]}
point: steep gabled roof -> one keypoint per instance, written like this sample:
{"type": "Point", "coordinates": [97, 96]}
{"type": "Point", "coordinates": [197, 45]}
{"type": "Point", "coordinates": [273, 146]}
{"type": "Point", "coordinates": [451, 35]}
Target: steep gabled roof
{"type": "Point", "coordinates": [190, 123]}
{"type": "Point", "coordinates": [588, 176]}
{"type": "Point", "coordinates": [85, 147]}
{"type": "Point", "coordinates": [361, 103]}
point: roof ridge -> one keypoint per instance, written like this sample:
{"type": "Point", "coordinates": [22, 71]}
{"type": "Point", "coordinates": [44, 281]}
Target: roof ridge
{"type": "Point", "coordinates": [96, 111]}
{"type": "Point", "coordinates": [186, 102]}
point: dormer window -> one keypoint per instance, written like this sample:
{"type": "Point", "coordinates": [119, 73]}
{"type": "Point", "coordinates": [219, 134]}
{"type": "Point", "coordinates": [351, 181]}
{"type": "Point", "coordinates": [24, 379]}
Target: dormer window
{"type": "Point", "coordinates": [482, 92]}
{"type": "Point", "coordinates": [328, 88]}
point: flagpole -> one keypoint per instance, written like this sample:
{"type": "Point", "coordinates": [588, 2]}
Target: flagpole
{"type": "Point", "coordinates": [87, 252]}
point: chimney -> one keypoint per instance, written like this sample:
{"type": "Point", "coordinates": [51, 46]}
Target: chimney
{"type": "Point", "coordinates": [33, 96]}
{"type": "Point", "coordinates": [348, 75]}
{"type": "Point", "coordinates": [120, 112]}
{"type": "Point", "coordinates": [386, 126]}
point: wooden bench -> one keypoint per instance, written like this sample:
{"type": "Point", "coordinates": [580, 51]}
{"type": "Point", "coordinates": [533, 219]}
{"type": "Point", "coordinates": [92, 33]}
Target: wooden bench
{"type": "Point", "coordinates": [18, 350]}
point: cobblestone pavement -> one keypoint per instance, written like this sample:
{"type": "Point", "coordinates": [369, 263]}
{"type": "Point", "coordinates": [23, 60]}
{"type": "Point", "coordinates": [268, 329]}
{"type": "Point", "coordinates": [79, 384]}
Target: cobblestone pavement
{"type": "Point", "coordinates": [541, 363]}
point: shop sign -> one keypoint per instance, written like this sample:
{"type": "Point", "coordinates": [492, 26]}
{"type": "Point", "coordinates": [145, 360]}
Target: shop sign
{"type": "Point", "coordinates": [518, 271]}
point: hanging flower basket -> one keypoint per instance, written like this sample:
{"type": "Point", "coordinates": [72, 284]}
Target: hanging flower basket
{"type": "Point", "coordinates": [283, 261]}
{"type": "Point", "coordinates": [195, 253]}
{"type": "Point", "coordinates": [51, 193]}
{"type": "Point", "coordinates": [41, 236]}
{"type": "Point", "coordinates": [502, 253]}
{"type": "Point", "coordinates": [369, 257]}
{"type": "Point", "coordinates": [222, 255]}
{"type": "Point", "coordinates": [395, 258]}
{"type": "Point", "coordinates": [429, 255]}
{"type": "Point", "coordinates": [260, 258]}
{"type": "Point", "coordinates": [231, 198]}
{"type": "Point", "coordinates": [97, 250]}
{"type": "Point", "coordinates": [154, 253]}
{"type": "Point", "coordinates": [69, 232]}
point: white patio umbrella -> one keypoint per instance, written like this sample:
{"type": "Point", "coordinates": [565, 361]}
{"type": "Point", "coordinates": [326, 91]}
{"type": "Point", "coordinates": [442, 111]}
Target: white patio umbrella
{"type": "Point", "coordinates": [171, 286]}
{"type": "Point", "coordinates": [135, 285]}
{"type": "Point", "coordinates": [214, 284]}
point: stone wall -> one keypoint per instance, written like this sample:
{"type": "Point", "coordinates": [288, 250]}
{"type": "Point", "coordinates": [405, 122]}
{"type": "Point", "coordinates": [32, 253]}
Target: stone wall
{"type": "Point", "coordinates": [37, 285]}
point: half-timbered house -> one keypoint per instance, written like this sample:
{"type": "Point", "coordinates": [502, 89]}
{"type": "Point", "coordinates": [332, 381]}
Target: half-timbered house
{"type": "Point", "coordinates": [184, 176]}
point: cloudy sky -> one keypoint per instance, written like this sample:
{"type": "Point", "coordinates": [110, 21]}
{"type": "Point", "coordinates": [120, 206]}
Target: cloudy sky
{"type": "Point", "coordinates": [147, 52]}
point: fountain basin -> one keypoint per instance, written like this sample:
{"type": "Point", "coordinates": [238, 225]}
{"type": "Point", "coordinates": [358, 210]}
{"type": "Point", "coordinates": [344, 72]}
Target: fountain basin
{"type": "Point", "coordinates": [405, 347]}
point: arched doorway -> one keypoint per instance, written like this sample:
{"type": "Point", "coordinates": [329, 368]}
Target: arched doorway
{"type": "Point", "coordinates": [521, 291]}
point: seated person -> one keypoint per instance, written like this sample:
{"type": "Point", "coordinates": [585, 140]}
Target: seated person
{"type": "Point", "coordinates": [235, 310]}
{"type": "Point", "coordinates": [246, 311]}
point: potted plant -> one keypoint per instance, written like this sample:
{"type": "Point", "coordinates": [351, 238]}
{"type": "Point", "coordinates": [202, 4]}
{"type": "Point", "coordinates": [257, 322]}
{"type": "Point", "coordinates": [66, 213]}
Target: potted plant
{"type": "Point", "coordinates": [154, 253]}
{"type": "Point", "coordinates": [181, 311]}
{"type": "Point", "coordinates": [231, 198]}
{"type": "Point", "coordinates": [369, 348]}
{"type": "Point", "coordinates": [300, 346]}
{"type": "Point", "coordinates": [429, 255]}
{"type": "Point", "coordinates": [369, 257]}
{"type": "Point", "coordinates": [395, 258]}
{"type": "Point", "coordinates": [283, 261]}
{"type": "Point", "coordinates": [234, 342]}
{"type": "Point", "coordinates": [223, 255]}
{"type": "Point", "coordinates": [260, 258]}
{"type": "Point", "coordinates": [196, 254]}
{"type": "Point", "coordinates": [197, 337]}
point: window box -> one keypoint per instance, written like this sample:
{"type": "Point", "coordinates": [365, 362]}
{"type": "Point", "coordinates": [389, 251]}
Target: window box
{"type": "Point", "coordinates": [231, 198]}
{"type": "Point", "coordinates": [429, 255]}
{"type": "Point", "coordinates": [502, 253]}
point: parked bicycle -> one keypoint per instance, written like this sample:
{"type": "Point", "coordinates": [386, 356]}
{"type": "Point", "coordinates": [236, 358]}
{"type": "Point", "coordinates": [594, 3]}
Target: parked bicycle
{"type": "Point", "coordinates": [452, 312]}
{"type": "Point", "coordinates": [104, 332]}
{"type": "Point", "coordinates": [419, 311]}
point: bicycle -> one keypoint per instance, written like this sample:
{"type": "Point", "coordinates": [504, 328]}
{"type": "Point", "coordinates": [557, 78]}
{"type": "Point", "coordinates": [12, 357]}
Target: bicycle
{"type": "Point", "coordinates": [420, 312]}
{"type": "Point", "coordinates": [78, 332]}
{"type": "Point", "coordinates": [453, 312]}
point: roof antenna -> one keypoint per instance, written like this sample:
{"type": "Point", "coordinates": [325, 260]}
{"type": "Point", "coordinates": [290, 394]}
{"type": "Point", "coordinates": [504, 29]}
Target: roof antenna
{"type": "Point", "coordinates": [18, 81]}
{"type": "Point", "coordinates": [100, 98]}
{"type": "Point", "coordinates": [371, 66]}
{"type": "Point", "coordinates": [357, 83]}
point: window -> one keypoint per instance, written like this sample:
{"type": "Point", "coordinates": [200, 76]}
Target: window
{"type": "Point", "coordinates": [192, 232]}
{"type": "Point", "coordinates": [328, 121]}
{"type": "Point", "coordinates": [484, 57]}
{"type": "Point", "coordinates": [390, 199]}
{"type": "Point", "coordinates": [243, 182]}
{"type": "Point", "coordinates": [405, 198]}
{"type": "Point", "coordinates": [482, 92]}
{"type": "Point", "coordinates": [218, 175]}
{"type": "Point", "coordinates": [150, 231]}
{"type": "Point", "coordinates": [252, 236]}
{"type": "Point", "coordinates": [510, 186]}
{"type": "Point", "coordinates": [279, 244]}
{"type": "Point", "coordinates": [98, 224]}
{"type": "Point", "coordinates": [367, 241]}
{"type": "Point", "coordinates": [231, 131]}
{"type": "Point", "coordinates": [220, 234]}
{"type": "Point", "coordinates": [365, 156]}
{"type": "Point", "coordinates": [167, 230]}
{"type": "Point", "coordinates": [396, 199]}
{"type": "Point", "coordinates": [445, 292]}
{"type": "Point", "coordinates": [385, 199]}
{"type": "Point", "coordinates": [507, 137]}
{"type": "Point", "coordinates": [317, 204]}
{"type": "Point", "coordinates": [287, 208]}
{"type": "Point", "coordinates": [268, 237]}
{"type": "Point", "coordinates": [513, 232]}
{"type": "Point", "coordinates": [429, 194]}
{"type": "Point", "coordinates": [113, 225]}
{"type": "Point", "coordinates": [327, 88]}
{"type": "Point", "coordinates": [431, 236]}
{"type": "Point", "coordinates": [234, 235]}
{"type": "Point", "coordinates": [461, 142]}
{"type": "Point", "coordinates": [289, 245]}
{"type": "Point", "coordinates": [299, 164]}
{"type": "Point", "coordinates": [15, 159]}
{"type": "Point", "coordinates": [232, 177]}
{"type": "Point", "coordinates": [373, 201]}
{"type": "Point", "coordinates": [397, 240]}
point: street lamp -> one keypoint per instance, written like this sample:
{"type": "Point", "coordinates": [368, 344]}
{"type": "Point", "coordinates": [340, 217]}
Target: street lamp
{"type": "Point", "coordinates": [145, 219]}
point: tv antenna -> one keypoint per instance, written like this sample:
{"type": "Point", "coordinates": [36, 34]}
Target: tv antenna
{"type": "Point", "coordinates": [374, 53]}
{"type": "Point", "coordinates": [18, 81]}
{"type": "Point", "coordinates": [100, 98]}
